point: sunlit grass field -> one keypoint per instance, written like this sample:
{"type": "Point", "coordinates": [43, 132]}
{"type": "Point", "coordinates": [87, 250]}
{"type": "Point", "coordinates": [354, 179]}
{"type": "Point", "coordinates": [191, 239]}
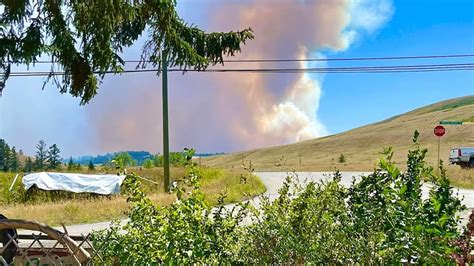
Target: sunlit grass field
{"type": "Point", "coordinates": [463, 178]}
{"type": "Point", "coordinates": [54, 208]}
{"type": "Point", "coordinates": [363, 146]}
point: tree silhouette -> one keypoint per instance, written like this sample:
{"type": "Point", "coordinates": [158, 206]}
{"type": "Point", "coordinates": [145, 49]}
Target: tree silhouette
{"type": "Point", "coordinates": [85, 39]}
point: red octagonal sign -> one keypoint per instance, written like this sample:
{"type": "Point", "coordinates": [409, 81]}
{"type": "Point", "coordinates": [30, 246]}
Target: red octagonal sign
{"type": "Point", "coordinates": [439, 131]}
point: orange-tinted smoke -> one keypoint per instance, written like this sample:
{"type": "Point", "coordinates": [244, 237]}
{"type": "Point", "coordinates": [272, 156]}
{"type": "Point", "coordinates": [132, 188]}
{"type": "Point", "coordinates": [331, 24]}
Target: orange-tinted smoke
{"type": "Point", "coordinates": [231, 111]}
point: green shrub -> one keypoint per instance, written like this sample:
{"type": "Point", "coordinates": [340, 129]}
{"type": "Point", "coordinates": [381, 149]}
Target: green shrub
{"type": "Point", "coordinates": [176, 159]}
{"type": "Point", "coordinates": [147, 164]}
{"type": "Point", "coordinates": [303, 225]}
{"type": "Point", "coordinates": [122, 160]}
{"type": "Point", "coordinates": [392, 220]}
{"type": "Point", "coordinates": [188, 231]}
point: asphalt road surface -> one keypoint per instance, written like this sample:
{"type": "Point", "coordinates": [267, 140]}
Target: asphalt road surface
{"type": "Point", "coordinates": [273, 181]}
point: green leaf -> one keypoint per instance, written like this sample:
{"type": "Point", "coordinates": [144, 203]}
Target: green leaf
{"type": "Point", "coordinates": [403, 190]}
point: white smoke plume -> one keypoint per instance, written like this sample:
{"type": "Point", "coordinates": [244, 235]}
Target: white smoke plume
{"type": "Point", "coordinates": [235, 111]}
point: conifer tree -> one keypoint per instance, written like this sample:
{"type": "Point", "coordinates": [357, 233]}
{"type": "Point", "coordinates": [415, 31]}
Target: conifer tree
{"type": "Point", "coordinates": [41, 155]}
{"type": "Point", "coordinates": [28, 165]}
{"type": "Point", "coordinates": [54, 160]}
{"type": "Point", "coordinates": [6, 155]}
{"type": "Point", "coordinates": [70, 165]}
{"type": "Point", "coordinates": [86, 39]}
{"type": "Point", "coordinates": [91, 166]}
{"type": "Point", "coordinates": [3, 155]}
{"type": "Point", "coordinates": [14, 161]}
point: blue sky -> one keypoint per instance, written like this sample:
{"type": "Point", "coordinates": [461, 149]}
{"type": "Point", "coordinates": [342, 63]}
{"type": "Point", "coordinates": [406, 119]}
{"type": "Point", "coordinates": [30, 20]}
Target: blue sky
{"type": "Point", "coordinates": [212, 113]}
{"type": "Point", "coordinates": [416, 28]}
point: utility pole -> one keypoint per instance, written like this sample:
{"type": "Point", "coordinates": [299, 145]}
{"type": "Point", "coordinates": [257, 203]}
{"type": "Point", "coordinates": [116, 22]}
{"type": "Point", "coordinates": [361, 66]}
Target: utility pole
{"type": "Point", "coordinates": [166, 142]}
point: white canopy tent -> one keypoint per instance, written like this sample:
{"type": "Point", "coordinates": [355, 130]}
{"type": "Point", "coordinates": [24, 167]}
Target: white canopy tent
{"type": "Point", "coordinates": [100, 184]}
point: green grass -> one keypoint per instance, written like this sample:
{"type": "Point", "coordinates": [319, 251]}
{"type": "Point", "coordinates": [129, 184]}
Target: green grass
{"type": "Point", "coordinates": [456, 104]}
{"type": "Point", "coordinates": [55, 207]}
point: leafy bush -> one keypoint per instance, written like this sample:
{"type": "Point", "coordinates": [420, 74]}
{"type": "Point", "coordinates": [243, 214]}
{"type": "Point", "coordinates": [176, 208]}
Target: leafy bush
{"type": "Point", "coordinates": [187, 231]}
{"type": "Point", "coordinates": [123, 159]}
{"type": "Point", "coordinates": [176, 159]}
{"type": "Point", "coordinates": [394, 223]}
{"type": "Point", "coordinates": [148, 164]}
{"type": "Point", "coordinates": [380, 219]}
{"type": "Point", "coordinates": [303, 225]}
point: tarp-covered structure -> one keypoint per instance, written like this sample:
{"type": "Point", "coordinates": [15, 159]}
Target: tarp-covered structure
{"type": "Point", "coordinates": [78, 183]}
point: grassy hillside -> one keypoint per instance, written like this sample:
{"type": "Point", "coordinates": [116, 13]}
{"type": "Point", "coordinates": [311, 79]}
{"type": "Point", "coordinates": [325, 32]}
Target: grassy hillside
{"type": "Point", "coordinates": [362, 146]}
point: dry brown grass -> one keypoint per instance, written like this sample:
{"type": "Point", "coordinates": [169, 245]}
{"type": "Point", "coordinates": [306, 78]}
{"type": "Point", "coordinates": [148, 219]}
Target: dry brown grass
{"type": "Point", "coordinates": [362, 146]}
{"type": "Point", "coordinates": [463, 178]}
{"type": "Point", "coordinates": [75, 211]}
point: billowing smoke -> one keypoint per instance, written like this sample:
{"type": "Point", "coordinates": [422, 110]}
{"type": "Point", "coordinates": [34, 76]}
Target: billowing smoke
{"type": "Point", "coordinates": [236, 111]}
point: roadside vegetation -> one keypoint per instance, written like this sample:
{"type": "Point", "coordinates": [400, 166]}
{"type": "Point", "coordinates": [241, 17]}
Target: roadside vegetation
{"type": "Point", "coordinates": [56, 207]}
{"type": "Point", "coordinates": [382, 219]}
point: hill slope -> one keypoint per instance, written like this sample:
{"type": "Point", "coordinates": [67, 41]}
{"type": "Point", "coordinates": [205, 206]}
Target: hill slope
{"type": "Point", "coordinates": [362, 146]}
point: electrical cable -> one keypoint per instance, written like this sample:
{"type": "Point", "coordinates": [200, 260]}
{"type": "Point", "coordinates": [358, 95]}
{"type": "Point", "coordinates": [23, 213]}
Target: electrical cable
{"type": "Point", "coordinates": [311, 59]}
{"type": "Point", "coordinates": [353, 69]}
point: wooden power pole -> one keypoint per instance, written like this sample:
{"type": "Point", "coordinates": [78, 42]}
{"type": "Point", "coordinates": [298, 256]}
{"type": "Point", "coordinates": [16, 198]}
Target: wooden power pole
{"type": "Point", "coordinates": [166, 142]}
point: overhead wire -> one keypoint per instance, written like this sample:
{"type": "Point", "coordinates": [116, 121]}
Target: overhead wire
{"type": "Point", "coordinates": [285, 70]}
{"type": "Point", "coordinates": [263, 60]}
{"type": "Point", "coordinates": [353, 69]}
{"type": "Point", "coordinates": [349, 58]}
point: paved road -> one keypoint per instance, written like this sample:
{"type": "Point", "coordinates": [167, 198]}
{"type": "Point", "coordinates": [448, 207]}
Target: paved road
{"type": "Point", "coordinates": [273, 181]}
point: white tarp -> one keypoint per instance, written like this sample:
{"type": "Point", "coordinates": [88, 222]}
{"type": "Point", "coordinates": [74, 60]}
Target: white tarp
{"type": "Point", "coordinates": [100, 184]}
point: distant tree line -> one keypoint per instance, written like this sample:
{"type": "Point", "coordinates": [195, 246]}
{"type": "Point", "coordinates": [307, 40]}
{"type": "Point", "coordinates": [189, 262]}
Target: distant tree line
{"type": "Point", "coordinates": [46, 158]}
{"type": "Point", "coordinates": [131, 158]}
{"type": "Point", "coordinates": [126, 159]}
{"type": "Point", "coordinates": [138, 156]}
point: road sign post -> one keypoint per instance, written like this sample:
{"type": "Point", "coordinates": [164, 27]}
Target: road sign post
{"type": "Point", "coordinates": [439, 131]}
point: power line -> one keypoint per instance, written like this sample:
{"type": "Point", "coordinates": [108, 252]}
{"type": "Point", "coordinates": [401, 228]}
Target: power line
{"type": "Point", "coordinates": [270, 71]}
{"type": "Point", "coordinates": [346, 69]}
{"type": "Point", "coordinates": [310, 59]}
{"type": "Point", "coordinates": [350, 59]}
{"type": "Point", "coordinates": [354, 69]}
